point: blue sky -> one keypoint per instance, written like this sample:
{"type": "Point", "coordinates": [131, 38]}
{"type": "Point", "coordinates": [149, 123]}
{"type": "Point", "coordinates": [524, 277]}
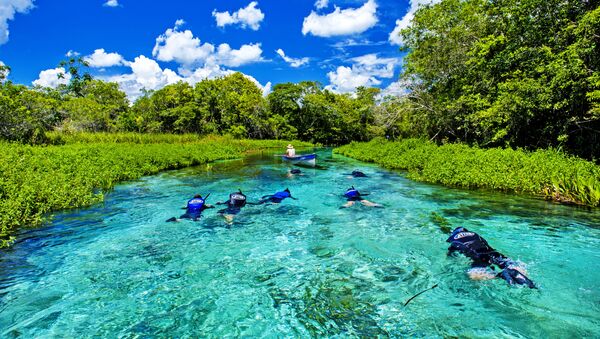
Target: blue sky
{"type": "Point", "coordinates": [148, 44]}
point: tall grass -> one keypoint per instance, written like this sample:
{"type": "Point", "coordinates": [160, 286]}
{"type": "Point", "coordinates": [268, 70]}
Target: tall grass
{"type": "Point", "coordinates": [547, 173]}
{"type": "Point", "coordinates": [35, 180]}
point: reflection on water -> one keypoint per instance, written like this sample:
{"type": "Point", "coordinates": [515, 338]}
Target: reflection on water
{"type": "Point", "coordinates": [303, 268]}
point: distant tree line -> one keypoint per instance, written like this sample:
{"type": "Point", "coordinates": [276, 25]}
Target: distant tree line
{"type": "Point", "coordinates": [511, 73]}
{"type": "Point", "coordinates": [232, 105]}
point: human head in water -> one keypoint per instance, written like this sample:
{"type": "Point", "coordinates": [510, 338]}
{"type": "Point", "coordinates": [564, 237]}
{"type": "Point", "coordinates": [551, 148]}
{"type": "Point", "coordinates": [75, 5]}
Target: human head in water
{"type": "Point", "coordinates": [197, 196]}
{"type": "Point", "coordinates": [353, 195]}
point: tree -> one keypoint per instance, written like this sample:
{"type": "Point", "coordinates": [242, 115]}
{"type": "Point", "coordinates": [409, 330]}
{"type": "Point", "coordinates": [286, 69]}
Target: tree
{"type": "Point", "coordinates": [4, 70]}
{"type": "Point", "coordinates": [78, 79]}
{"type": "Point", "coordinates": [520, 73]}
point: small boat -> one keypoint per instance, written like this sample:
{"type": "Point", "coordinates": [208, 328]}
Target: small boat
{"type": "Point", "coordinates": [309, 159]}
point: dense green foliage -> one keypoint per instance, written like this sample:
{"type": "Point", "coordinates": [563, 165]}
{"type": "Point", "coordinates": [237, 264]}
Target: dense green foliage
{"type": "Point", "coordinates": [548, 173]}
{"type": "Point", "coordinates": [505, 73]}
{"type": "Point", "coordinates": [520, 74]}
{"type": "Point", "coordinates": [232, 105]}
{"type": "Point", "coordinates": [35, 180]}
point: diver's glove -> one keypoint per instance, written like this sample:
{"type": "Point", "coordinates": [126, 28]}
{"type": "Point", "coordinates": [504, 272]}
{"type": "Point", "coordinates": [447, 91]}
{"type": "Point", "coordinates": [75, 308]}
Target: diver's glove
{"type": "Point", "coordinates": [512, 276]}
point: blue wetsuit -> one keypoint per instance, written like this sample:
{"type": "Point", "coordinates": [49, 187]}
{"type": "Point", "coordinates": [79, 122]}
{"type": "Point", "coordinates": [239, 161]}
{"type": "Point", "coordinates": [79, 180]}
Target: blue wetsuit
{"type": "Point", "coordinates": [277, 197]}
{"type": "Point", "coordinates": [352, 194]}
{"type": "Point", "coordinates": [194, 208]}
{"type": "Point", "coordinates": [477, 249]}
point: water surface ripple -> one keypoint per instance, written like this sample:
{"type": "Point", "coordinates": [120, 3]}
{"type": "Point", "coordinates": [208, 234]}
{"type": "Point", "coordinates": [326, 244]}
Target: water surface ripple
{"type": "Point", "coordinates": [303, 268]}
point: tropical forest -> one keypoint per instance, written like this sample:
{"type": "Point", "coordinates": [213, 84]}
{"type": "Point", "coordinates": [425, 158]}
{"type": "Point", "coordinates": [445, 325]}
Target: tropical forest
{"type": "Point", "coordinates": [427, 168]}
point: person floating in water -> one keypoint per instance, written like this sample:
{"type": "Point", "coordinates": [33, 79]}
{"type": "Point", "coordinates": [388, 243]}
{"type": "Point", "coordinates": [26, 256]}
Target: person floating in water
{"type": "Point", "coordinates": [276, 198]}
{"type": "Point", "coordinates": [353, 195]}
{"type": "Point", "coordinates": [194, 208]}
{"type": "Point", "coordinates": [358, 174]}
{"type": "Point", "coordinates": [237, 200]}
{"type": "Point", "coordinates": [485, 258]}
{"type": "Point", "coordinates": [293, 172]}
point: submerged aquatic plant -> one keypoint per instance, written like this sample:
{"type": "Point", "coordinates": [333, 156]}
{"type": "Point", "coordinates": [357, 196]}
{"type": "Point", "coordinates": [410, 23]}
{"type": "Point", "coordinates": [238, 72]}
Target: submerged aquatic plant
{"type": "Point", "coordinates": [333, 308]}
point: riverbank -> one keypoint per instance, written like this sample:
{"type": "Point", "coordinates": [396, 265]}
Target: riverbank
{"type": "Point", "coordinates": [547, 173]}
{"type": "Point", "coordinates": [80, 168]}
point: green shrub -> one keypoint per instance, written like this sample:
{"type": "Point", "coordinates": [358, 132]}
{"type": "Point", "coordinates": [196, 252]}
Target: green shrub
{"type": "Point", "coordinates": [36, 180]}
{"type": "Point", "coordinates": [548, 173]}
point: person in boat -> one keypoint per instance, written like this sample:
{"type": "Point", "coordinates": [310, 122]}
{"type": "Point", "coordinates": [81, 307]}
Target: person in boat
{"type": "Point", "coordinates": [237, 200]}
{"type": "Point", "coordinates": [276, 198]}
{"type": "Point", "coordinates": [291, 151]}
{"type": "Point", "coordinates": [194, 208]}
{"type": "Point", "coordinates": [353, 195]}
{"type": "Point", "coordinates": [485, 257]}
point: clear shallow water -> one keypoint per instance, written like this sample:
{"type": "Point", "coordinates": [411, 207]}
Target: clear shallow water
{"type": "Point", "coordinates": [303, 268]}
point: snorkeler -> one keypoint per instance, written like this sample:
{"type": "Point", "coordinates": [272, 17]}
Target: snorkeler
{"type": "Point", "coordinates": [353, 195]}
{"type": "Point", "coordinates": [358, 174]}
{"type": "Point", "coordinates": [484, 256]}
{"type": "Point", "coordinates": [294, 171]}
{"type": "Point", "coordinates": [276, 198]}
{"type": "Point", "coordinates": [236, 201]}
{"type": "Point", "coordinates": [194, 208]}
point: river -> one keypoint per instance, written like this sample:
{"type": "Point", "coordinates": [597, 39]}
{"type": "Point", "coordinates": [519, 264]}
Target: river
{"type": "Point", "coordinates": [302, 268]}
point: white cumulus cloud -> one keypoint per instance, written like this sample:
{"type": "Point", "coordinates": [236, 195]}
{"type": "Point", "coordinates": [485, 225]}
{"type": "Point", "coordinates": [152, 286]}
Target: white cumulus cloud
{"type": "Point", "coordinates": [250, 17]}
{"type": "Point", "coordinates": [396, 88]}
{"type": "Point", "coordinates": [294, 62]}
{"type": "Point", "coordinates": [146, 74]}
{"type": "Point", "coordinates": [320, 4]}
{"type": "Point", "coordinates": [187, 50]}
{"type": "Point", "coordinates": [8, 9]}
{"type": "Point", "coordinates": [395, 38]}
{"type": "Point", "coordinates": [237, 57]}
{"type": "Point", "coordinates": [50, 78]}
{"type": "Point", "coordinates": [102, 59]}
{"type": "Point", "coordinates": [112, 3]}
{"type": "Point", "coordinates": [365, 71]}
{"type": "Point", "coordinates": [181, 47]}
{"type": "Point", "coordinates": [341, 21]}
{"type": "Point", "coordinates": [346, 79]}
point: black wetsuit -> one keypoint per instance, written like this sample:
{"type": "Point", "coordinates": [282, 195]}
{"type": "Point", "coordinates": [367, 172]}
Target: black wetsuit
{"type": "Point", "coordinates": [358, 174]}
{"type": "Point", "coordinates": [235, 203]}
{"type": "Point", "coordinates": [477, 249]}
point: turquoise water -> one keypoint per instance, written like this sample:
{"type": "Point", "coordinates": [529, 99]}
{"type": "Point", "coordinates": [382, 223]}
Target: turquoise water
{"type": "Point", "coordinates": [303, 268]}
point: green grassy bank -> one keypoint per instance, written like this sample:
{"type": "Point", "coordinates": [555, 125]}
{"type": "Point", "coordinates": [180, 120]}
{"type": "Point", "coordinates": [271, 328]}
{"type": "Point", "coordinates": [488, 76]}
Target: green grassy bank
{"type": "Point", "coordinates": [35, 180]}
{"type": "Point", "coordinates": [546, 173]}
